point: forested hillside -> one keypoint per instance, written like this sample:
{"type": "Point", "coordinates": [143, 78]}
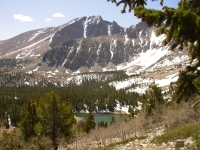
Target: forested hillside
{"type": "Point", "coordinates": [91, 94]}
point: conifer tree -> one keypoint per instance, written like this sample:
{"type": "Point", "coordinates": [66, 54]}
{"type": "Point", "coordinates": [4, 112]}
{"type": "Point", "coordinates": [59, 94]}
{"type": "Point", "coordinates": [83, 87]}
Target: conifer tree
{"type": "Point", "coordinates": [131, 4]}
{"type": "Point", "coordinates": [153, 99]}
{"type": "Point", "coordinates": [28, 120]}
{"type": "Point", "coordinates": [187, 86]}
{"type": "Point", "coordinates": [56, 118]}
{"type": "Point", "coordinates": [131, 111]}
{"type": "Point", "coordinates": [90, 123]}
{"type": "Point", "coordinates": [112, 121]}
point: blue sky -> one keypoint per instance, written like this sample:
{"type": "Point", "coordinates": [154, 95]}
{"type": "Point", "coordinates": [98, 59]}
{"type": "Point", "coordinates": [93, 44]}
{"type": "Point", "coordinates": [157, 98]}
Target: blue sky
{"type": "Point", "coordinates": [18, 16]}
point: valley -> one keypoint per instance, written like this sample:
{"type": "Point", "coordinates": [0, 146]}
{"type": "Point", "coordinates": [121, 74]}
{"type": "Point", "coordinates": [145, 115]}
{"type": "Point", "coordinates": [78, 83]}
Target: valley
{"type": "Point", "coordinates": [89, 53]}
{"type": "Point", "coordinates": [96, 66]}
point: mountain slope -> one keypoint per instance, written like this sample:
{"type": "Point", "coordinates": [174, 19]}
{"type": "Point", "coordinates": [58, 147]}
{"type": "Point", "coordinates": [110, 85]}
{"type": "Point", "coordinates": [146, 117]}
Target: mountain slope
{"type": "Point", "coordinates": [91, 44]}
{"type": "Point", "coordinates": [142, 51]}
{"type": "Point", "coordinates": [32, 44]}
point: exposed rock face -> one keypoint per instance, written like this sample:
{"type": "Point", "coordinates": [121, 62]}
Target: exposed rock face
{"type": "Point", "coordinates": [72, 31]}
{"type": "Point", "coordinates": [74, 54]}
{"type": "Point", "coordinates": [86, 27]}
{"type": "Point", "coordinates": [137, 30]}
{"type": "Point", "coordinates": [82, 42]}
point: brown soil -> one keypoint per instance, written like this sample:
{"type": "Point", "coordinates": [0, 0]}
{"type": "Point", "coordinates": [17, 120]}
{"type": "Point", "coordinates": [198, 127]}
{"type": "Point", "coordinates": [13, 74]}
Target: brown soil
{"type": "Point", "coordinates": [119, 112]}
{"type": "Point", "coordinates": [77, 118]}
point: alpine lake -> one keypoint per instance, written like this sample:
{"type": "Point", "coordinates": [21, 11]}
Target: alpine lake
{"type": "Point", "coordinates": [98, 117]}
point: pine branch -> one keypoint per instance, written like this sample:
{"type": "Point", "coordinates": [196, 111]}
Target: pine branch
{"type": "Point", "coordinates": [131, 4]}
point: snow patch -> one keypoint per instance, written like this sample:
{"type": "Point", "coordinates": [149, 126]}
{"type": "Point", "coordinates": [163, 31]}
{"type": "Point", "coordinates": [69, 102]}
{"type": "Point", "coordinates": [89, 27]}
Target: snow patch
{"type": "Point", "coordinates": [167, 80]}
{"type": "Point", "coordinates": [143, 60]}
{"type": "Point", "coordinates": [109, 29]}
{"type": "Point", "coordinates": [51, 37]}
{"type": "Point", "coordinates": [113, 45]}
{"type": "Point", "coordinates": [126, 39]}
{"type": "Point", "coordinates": [121, 108]}
{"type": "Point", "coordinates": [37, 34]}
{"type": "Point", "coordinates": [25, 51]}
{"type": "Point", "coordinates": [64, 62]}
{"type": "Point", "coordinates": [156, 39]}
{"type": "Point", "coordinates": [36, 69]}
{"type": "Point", "coordinates": [141, 84]}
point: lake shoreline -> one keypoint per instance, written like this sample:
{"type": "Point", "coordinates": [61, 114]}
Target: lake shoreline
{"type": "Point", "coordinates": [99, 117]}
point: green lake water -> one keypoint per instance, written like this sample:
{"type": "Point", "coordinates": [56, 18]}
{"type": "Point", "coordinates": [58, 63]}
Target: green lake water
{"type": "Point", "coordinates": [101, 117]}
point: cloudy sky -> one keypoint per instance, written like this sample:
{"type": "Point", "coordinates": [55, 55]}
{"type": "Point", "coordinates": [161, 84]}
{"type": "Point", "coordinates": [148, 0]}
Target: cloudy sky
{"type": "Point", "coordinates": [18, 16]}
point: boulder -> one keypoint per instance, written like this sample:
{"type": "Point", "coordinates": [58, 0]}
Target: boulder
{"type": "Point", "coordinates": [179, 144]}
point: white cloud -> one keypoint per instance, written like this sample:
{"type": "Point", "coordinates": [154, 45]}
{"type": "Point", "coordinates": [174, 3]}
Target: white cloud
{"type": "Point", "coordinates": [48, 19]}
{"type": "Point", "coordinates": [58, 15]}
{"type": "Point", "coordinates": [22, 18]}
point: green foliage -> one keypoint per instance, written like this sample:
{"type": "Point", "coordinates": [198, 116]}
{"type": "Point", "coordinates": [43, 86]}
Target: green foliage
{"type": "Point", "coordinates": [112, 121]}
{"type": "Point", "coordinates": [152, 99]}
{"type": "Point", "coordinates": [92, 92]}
{"type": "Point", "coordinates": [103, 124]}
{"type": "Point", "coordinates": [50, 119]}
{"type": "Point", "coordinates": [180, 132]}
{"type": "Point", "coordinates": [55, 117]}
{"type": "Point", "coordinates": [131, 4]}
{"type": "Point", "coordinates": [4, 120]}
{"type": "Point", "coordinates": [28, 120]}
{"type": "Point", "coordinates": [186, 86]}
{"type": "Point", "coordinates": [196, 146]}
{"type": "Point", "coordinates": [15, 141]}
{"type": "Point", "coordinates": [90, 123]}
{"type": "Point", "coordinates": [10, 141]}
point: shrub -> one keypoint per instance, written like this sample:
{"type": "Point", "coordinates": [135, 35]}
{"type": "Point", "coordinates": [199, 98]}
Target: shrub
{"type": "Point", "coordinates": [180, 132]}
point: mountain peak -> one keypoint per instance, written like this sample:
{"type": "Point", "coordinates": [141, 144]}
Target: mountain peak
{"type": "Point", "coordinates": [72, 21]}
{"type": "Point", "coordinates": [93, 19]}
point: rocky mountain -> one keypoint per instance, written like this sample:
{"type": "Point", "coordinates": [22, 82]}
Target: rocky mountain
{"type": "Point", "coordinates": [91, 44]}
{"type": "Point", "coordinates": [34, 43]}
{"type": "Point", "coordinates": [84, 27]}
